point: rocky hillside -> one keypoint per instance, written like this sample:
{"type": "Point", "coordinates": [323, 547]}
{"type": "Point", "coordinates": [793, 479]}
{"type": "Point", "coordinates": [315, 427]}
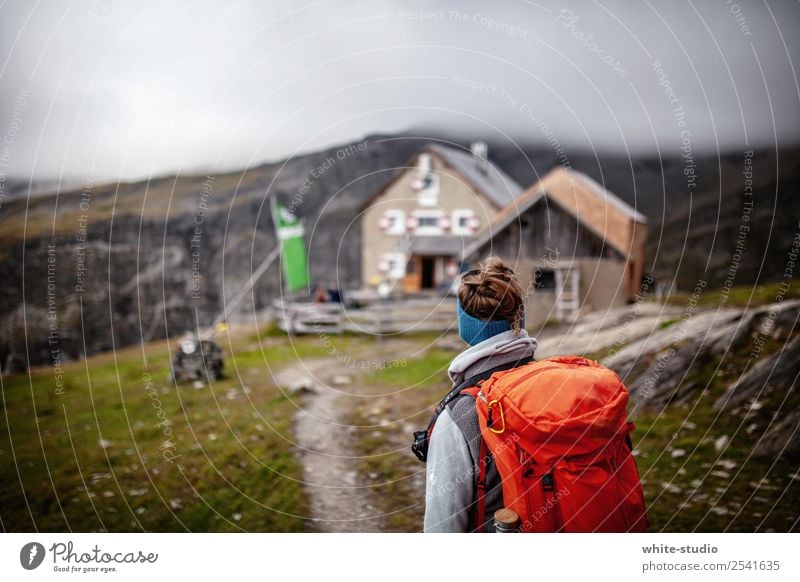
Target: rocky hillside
{"type": "Point", "coordinates": [110, 265]}
{"type": "Point", "coordinates": [740, 363]}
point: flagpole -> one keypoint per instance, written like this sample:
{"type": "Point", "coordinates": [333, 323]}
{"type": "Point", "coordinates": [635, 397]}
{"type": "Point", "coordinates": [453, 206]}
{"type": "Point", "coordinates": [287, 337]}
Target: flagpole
{"type": "Point", "coordinates": [240, 294]}
{"type": "Point", "coordinates": [255, 275]}
{"type": "Point", "coordinates": [276, 225]}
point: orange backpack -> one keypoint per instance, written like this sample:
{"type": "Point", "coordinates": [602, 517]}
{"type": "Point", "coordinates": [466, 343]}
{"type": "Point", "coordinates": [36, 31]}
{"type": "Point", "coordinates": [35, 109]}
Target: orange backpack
{"type": "Point", "coordinates": [559, 435]}
{"type": "Point", "coordinates": [558, 432]}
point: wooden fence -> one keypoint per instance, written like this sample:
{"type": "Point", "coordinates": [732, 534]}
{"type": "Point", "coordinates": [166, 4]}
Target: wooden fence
{"type": "Point", "coordinates": [394, 316]}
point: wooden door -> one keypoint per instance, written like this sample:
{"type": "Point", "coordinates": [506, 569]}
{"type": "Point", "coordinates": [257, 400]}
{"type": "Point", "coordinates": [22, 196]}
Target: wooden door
{"type": "Point", "coordinates": [413, 279]}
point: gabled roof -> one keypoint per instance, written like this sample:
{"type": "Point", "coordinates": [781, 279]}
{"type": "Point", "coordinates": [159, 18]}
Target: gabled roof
{"type": "Point", "coordinates": [594, 207]}
{"type": "Point", "coordinates": [611, 198]}
{"type": "Point", "coordinates": [492, 182]}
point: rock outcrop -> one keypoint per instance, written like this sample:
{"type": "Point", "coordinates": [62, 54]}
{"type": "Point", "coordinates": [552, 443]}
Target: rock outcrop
{"type": "Point", "coordinates": [757, 351]}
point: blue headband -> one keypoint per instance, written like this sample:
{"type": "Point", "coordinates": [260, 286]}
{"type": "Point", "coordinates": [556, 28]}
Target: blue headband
{"type": "Point", "coordinates": [473, 330]}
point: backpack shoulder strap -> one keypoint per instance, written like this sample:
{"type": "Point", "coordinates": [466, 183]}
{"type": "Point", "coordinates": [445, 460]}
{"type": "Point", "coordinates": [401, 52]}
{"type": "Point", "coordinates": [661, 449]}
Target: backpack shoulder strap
{"type": "Point", "coordinates": [421, 438]}
{"type": "Point", "coordinates": [458, 391]}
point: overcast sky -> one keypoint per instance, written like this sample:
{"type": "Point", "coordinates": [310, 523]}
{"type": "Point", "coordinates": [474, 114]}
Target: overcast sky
{"type": "Point", "coordinates": [110, 89]}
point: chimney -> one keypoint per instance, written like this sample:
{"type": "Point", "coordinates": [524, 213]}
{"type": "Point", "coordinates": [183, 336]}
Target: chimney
{"type": "Point", "coordinates": [424, 164]}
{"type": "Point", "coordinates": [480, 152]}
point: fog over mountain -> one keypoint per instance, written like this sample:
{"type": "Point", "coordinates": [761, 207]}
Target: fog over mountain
{"type": "Point", "coordinates": [117, 90]}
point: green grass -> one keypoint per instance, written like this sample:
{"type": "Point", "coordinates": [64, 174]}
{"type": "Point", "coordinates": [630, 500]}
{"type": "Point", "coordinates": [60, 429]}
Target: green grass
{"type": "Point", "coordinates": [389, 468]}
{"type": "Point", "coordinates": [422, 371]}
{"type": "Point", "coordinates": [237, 471]}
{"type": "Point", "coordinates": [387, 465]}
{"type": "Point", "coordinates": [696, 491]}
{"type": "Point", "coordinates": [668, 323]}
{"type": "Point", "coordinates": [739, 296]}
{"type": "Point", "coordinates": [233, 467]}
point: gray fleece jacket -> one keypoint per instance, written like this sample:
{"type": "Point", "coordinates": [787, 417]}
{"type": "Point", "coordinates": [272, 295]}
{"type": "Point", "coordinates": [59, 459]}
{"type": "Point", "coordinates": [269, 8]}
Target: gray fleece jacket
{"type": "Point", "coordinates": [450, 488]}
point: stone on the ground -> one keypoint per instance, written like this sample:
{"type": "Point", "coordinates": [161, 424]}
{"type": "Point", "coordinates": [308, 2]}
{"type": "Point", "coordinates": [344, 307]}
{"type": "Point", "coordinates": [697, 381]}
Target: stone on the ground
{"type": "Point", "coordinates": [304, 385]}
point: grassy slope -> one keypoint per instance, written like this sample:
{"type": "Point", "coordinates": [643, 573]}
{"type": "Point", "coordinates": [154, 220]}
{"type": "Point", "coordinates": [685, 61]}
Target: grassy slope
{"type": "Point", "coordinates": [158, 199]}
{"type": "Point", "coordinates": [236, 469]}
{"type": "Point", "coordinates": [252, 471]}
{"type": "Point", "coordinates": [718, 487]}
{"type": "Point", "coordinates": [739, 296]}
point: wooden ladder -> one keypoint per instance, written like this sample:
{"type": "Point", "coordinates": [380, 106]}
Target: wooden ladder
{"type": "Point", "coordinates": [567, 293]}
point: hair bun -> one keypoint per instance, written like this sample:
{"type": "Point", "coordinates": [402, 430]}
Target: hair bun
{"type": "Point", "coordinates": [492, 292]}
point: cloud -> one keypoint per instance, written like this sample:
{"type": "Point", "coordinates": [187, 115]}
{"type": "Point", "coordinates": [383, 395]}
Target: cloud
{"type": "Point", "coordinates": [127, 90]}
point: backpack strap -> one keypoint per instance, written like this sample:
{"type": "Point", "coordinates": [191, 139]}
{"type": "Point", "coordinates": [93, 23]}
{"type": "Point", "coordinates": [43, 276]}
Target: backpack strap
{"type": "Point", "coordinates": [480, 509]}
{"type": "Point", "coordinates": [422, 438]}
{"type": "Point", "coordinates": [473, 381]}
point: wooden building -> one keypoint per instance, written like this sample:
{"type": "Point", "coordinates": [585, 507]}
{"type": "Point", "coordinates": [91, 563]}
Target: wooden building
{"type": "Point", "coordinates": [575, 246]}
{"type": "Point", "coordinates": [416, 227]}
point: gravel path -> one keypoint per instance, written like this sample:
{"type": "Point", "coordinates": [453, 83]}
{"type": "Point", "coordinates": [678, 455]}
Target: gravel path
{"type": "Point", "coordinates": [330, 468]}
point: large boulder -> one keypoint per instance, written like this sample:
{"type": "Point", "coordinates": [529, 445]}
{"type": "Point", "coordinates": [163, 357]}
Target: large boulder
{"type": "Point", "coordinates": [726, 342]}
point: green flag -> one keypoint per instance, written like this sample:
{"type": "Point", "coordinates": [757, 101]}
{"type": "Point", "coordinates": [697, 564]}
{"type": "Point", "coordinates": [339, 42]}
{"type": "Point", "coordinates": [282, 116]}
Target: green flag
{"type": "Point", "coordinates": [293, 247]}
